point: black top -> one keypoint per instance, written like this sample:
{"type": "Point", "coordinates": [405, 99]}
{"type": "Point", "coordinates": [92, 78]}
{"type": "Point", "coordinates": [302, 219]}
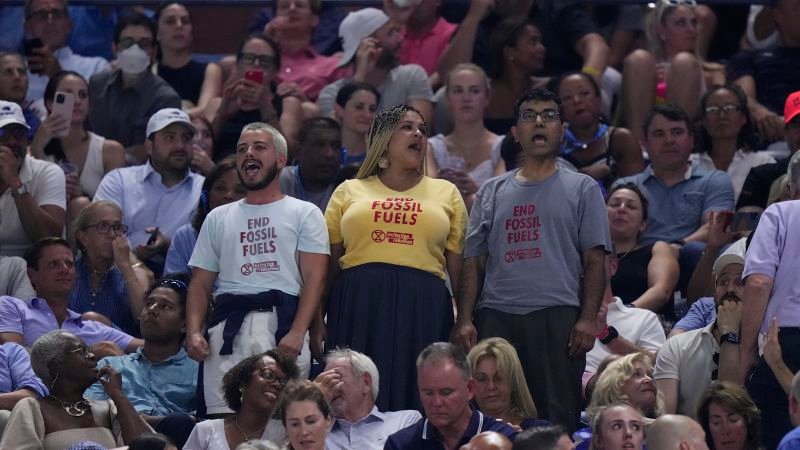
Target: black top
{"type": "Point", "coordinates": [755, 191]}
{"type": "Point", "coordinates": [630, 281]}
{"type": "Point", "coordinates": [774, 71]}
{"type": "Point", "coordinates": [187, 80]}
{"type": "Point", "coordinates": [229, 135]}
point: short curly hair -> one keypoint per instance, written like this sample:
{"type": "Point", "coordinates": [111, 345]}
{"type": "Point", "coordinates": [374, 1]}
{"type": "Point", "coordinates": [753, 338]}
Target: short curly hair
{"type": "Point", "coordinates": [240, 374]}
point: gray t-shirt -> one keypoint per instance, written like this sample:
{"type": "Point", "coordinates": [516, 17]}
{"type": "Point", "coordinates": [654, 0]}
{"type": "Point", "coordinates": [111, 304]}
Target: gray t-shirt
{"type": "Point", "coordinates": [534, 235]}
{"type": "Point", "coordinates": [406, 82]}
{"type": "Point", "coordinates": [291, 186]}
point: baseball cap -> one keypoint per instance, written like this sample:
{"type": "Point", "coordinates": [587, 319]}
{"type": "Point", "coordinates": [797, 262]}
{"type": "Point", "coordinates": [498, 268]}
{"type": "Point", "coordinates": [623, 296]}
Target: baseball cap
{"type": "Point", "coordinates": [167, 117]}
{"type": "Point", "coordinates": [10, 112]}
{"type": "Point", "coordinates": [792, 107]}
{"type": "Point", "coordinates": [732, 255]}
{"type": "Point", "coordinates": [356, 26]}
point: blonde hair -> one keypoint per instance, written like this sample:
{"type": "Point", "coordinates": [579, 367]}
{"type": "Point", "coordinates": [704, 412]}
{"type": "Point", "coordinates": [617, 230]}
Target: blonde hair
{"type": "Point", "coordinates": [510, 370]}
{"type": "Point", "coordinates": [608, 390]}
{"type": "Point", "coordinates": [658, 16]}
{"type": "Point", "coordinates": [378, 137]}
{"type": "Point", "coordinates": [470, 67]}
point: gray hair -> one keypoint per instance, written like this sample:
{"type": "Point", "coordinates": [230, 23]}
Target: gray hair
{"type": "Point", "coordinates": [445, 351]}
{"type": "Point", "coordinates": [359, 363]}
{"type": "Point", "coordinates": [793, 174]}
{"type": "Point", "coordinates": [277, 138]}
{"type": "Point", "coordinates": [257, 444]}
{"type": "Point", "coordinates": [47, 355]}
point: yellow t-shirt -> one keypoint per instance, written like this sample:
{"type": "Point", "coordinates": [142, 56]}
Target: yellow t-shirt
{"type": "Point", "coordinates": [411, 228]}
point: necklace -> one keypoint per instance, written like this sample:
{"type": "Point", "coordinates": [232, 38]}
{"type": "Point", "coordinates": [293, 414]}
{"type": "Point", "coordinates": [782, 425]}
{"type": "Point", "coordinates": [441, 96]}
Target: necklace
{"type": "Point", "coordinates": [75, 409]}
{"type": "Point", "coordinates": [257, 433]}
{"type": "Point", "coordinates": [619, 258]}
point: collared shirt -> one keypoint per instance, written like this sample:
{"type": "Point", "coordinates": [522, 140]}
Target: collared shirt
{"type": "Point", "coordinates": [310, 70]}
{"type": "Point", "coordinates": [16, 372]}
{"type": "Point", "coordinates": [34, 318]}
{"type": "Point", "coordinates": [146, 202]}
{"type": "Point", "coordinates": [371, 431]}
{"type": "Point", "coordinates": [110, 299]}
{"type": "Point", "coordinates": [121, 113]}
{"type": "Point", "coordinates": [155, 389]}
{"type": "Point", "coordinates": [45, 183]}
{"type": "Point", "coordinates": [84, 65]}
{"type": "Point", "coordinates": [677, 211]}
{"type": "Point", "coordinates": [426, 49]}
{"type": "Point", "coordinates": [424, 436]}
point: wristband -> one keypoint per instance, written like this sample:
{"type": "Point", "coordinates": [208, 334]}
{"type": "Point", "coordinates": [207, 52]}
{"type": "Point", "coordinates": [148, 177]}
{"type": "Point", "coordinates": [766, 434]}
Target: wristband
{"type": "Point", "coordinates": [603, 334]}
{"type": "Point", "coordinates": [591, 71]}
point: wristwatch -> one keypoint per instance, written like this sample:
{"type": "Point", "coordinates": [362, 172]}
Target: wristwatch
{"type": "Point", "coordinates": [21, 190]}
{"type": "Point", "coordinates": [611, 333]}
{"type": "Point", "coordinates": [731, 338]}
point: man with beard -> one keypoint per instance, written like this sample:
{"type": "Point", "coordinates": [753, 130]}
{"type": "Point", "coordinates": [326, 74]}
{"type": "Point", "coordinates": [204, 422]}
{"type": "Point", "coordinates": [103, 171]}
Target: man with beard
{"type": "Point", "coordinates": [318, 156]}
{"type": "Point", "coordinates": [371, 45]}
{"type": "Point", "coordinates": [268, 254]}
{"type": "Point", "coordinates": [350, 384]}
{"type": "Point", "coordinates": [688, 363]}
{"type": "Point", "coordinates": [32, 192]}
{"type": "Point", "coordinates": [160, 196]}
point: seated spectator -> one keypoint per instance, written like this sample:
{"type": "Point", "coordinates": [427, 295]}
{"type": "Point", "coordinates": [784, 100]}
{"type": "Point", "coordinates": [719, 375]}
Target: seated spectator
{"type": "Point", "coordinates": [67, 365]}
{"type": "Point", "coordinates": [252, 389]}
{"type": "Point", "coordinates": [628, 380]}
{"type": "Point", "coordinates": [258, 444]}
{"type": "Point", "coordinates": [792, 439]}
{"type": "Point", "coordinates": [500, 388]}
{"type": "Point", "coordinates": [250, 95]}
{"type": "Point", "coordinates": [670, 72]}
{"type": "Point", "coordinates": [123, 99]}
{"type": "Point", "coordinates": [14, 87]}
{"type": "Point", "coordinates": [765, 75]}
{"type": "Point", "coordinates": [85, 157]}
{"type": "Point", "coordinates": [426, 35]}
{"type": "Point", "coordinates": [14, 280]}
{"type": "Point", "coordinates": [350, 385]}
{"type": "Point", "coordinates": [160, 379]}
{"type": "Point", "coordinates": [194, 81]}
{"type": "Point", "coordinates": [757, 185]}
{"type": "Point", "coordinates": [547, 437]}
{"type": "Point", "coordinates": [109, 279]}
{"type": "Point", "coordinates": [601, 151]}
{"type": "Point", "coordinates": [727, 139]}
{"type": "Point", "coordinates": [470, 154]}
{"type": "Point", "coordinates": [371, 44]}
{"type": "Point", "coordinates": [158, 197]}
{"type": "Point", "coordinates": [488, 440]}
{"type": "Point", "coordinates": [36, 205]}
{"type": "Point", "coordinates": [518, 53]}
{"type": "Point", "coordinates": [674, 432]}
{"type": "Point", "coordinates": [221, 186]}
{"type": "Point", "coordinates": [152, 441]}
{"type": "Point", "coordinates": [356, 105]}
{"type": "Point", "coordinates": [444, 368]}
{"type": "Point", "coordinates": [646, 274]}
{"type": "Point", "coordinates": [688, 363]}
{"type": "Point", "coordinates": [317, 160]}
{"type": "Point", "coordinates": [203, 146]}
{"type": "Point", "coordinates": [306, 415]}
{"type": "Point", "coordinates": [729, 417]}
{"type": "Point", "coordinates": [49, 21]}
{"type": "Point", "coordinates": [17, 380]}
{"type": "Point", "coordinates": [51, 270]}
{"type": "Point", "coordinates": [618, 427]}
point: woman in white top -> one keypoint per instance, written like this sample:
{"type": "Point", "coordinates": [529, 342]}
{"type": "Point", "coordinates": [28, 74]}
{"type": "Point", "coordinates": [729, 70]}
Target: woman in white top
{"type": "Point", "coordinates": [727, 138]}
{"type": "Point", "coordinates": [470, 154]}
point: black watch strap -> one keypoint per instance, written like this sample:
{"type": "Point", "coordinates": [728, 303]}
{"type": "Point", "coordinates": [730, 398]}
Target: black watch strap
{"type": "Point", "coordinates": [731, 338]}
{"type": "Point", "coordinates": [612, 334]}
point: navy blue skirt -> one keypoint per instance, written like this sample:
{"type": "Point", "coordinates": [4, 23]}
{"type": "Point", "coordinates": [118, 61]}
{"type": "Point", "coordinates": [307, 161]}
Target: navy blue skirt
{"type": "Point", "coordinates": [390, 313]}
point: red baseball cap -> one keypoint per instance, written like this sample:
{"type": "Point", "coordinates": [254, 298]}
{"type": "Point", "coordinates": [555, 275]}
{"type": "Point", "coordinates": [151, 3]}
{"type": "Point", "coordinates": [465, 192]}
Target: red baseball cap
{"type": "Point", "coordinates": [792, 108]}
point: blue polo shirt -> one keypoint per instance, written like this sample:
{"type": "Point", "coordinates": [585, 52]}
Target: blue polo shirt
{"type": "Point", "coordinates": [676, 212]}
{"type": "Point", "coordinates": [424, 436]}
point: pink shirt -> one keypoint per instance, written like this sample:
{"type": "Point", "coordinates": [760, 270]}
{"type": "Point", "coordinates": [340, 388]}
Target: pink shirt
{"type": "Point", "coordinates": [425, 49]}
{"type": "Point", "coordinates": [311, 70]}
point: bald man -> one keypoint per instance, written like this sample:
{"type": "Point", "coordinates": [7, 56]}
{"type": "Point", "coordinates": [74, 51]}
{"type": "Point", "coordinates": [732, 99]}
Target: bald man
{"type": "Point", "coordinates": [674, 432]}
{"type": "Point", "coordinates": [488, 440]}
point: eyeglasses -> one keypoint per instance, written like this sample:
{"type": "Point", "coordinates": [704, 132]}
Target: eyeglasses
{"type": "Point", "coordinates": [263, 61]}
{"type": "Point", "coordinates": [718, 110]}
{"type": "Point", "coordinates": [103, 227]}
{"type": "Point", "coordinates": [272, 377]}
{"type": "Point", "coordinates": [84, 350]}
{"type": "Point", "coordinates": [128, 42]}
{"type": "Point", "coordinates": [548, 115]}
{"type": "Point", "coordinates": [47, 14]}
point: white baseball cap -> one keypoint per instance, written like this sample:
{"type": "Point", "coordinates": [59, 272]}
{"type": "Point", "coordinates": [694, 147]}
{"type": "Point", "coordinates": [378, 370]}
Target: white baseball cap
{"type": "Point", "coordinates": [10, 112]}
{"type": "Point", "coordinates": [355, 27]}
{"type": "Point", "coordinates": [167, 117]}
{"type": "Point", "coordinates": [732, 255]}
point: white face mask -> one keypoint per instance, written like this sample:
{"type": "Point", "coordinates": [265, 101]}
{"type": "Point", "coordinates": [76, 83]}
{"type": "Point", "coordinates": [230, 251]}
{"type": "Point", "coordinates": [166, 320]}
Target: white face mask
{"type": "Point", "coordinates": [133, 60]}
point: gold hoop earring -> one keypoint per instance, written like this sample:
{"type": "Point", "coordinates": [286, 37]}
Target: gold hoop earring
{"type": "Point", "coordinates": [383, 162]}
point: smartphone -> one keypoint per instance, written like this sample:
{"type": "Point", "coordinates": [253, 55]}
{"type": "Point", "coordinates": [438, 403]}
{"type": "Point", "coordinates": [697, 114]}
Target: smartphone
{"type": "Point", "coordinates": [255, 75]}
{"type": "Point", "coordinates": [63, 102]}
{"type": "Point", "coordinates": [153, 237]}
{"type": "Point", "coordinates": [745, 221]}
{"type": "Point", "coordinates": [29, 44]}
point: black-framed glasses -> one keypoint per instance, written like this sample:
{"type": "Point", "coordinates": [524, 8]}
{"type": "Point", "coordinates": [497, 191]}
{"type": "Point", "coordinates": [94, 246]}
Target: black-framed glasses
{"type": "Point", "coordinates": [272, 377]}
{"type": "Point", "coordinates": [44, 15]}
{"type": "Point", "coordinates": [145, 44]}
{"type": "Point", "coordinates": [104, 226]}
{"type": "Point", "coordinates": [84, 350]}
{"type": "Point", "coordinates": [727, 109]}
{"type": "Point", "coordinates": [263, 61]}
{"type": "Point", "coordinates": [548, 115]}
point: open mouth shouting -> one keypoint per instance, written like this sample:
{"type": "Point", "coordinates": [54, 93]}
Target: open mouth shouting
{"type": "Point", "coordinates": [250, 168]}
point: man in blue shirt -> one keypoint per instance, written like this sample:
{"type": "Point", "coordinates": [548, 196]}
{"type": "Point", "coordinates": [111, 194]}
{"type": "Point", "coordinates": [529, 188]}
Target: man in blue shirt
{"type": "Point", "coordinates": [160, 379]}
{"type": "Point", "coordinates": [17, 379]}
{"type": "Point", "coordinates": [446, 388]}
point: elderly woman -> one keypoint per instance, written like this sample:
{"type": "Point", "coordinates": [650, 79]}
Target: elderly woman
{"type": "Point", "coordinates": [306, 415]}
{"type": "Point", "coordinates": [68, 367]}
{"type": "Point", "coordinates": [395, 235]}
{"type": "Point", "coordinates": [252, 389]}
{"type": "Point", "coordinates": [109, 280]}
{"type": "Point", "coordinates": [500, 388]}
{"type": "Point", "coordinates": [628, 380]}
{"type": "Point", "coordinates": [617, 427]}
{"type": "Point", "coordinates": [729, 417]}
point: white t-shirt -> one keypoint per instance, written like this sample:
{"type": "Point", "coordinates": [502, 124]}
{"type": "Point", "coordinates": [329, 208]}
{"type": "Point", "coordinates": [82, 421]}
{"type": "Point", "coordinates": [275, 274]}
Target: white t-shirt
{"type": "Point", "coordinates": [740, 166]}
{"type": "Point", "coordinates": [254, 248]}
{"type": "Point", "coordinates": [210, 435]}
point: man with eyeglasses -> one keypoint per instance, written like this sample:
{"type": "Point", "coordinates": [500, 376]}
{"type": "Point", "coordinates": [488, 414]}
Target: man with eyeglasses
{"type": "Point", "coordinates": [32, 192]}
{"type": "Point", "coordinates": [535, 251]}
{"type": "Point", "coordinates": [49, 21]}
{"type": "Point", "coordinates": [124, 99]}
{"type": "Point", "coordinates": [689, 362]}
